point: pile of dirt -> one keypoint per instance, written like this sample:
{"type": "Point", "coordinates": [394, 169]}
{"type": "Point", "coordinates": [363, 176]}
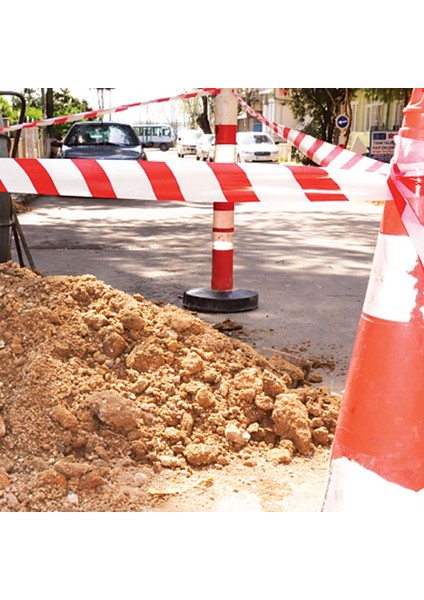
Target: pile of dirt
{"type": "Point", "coordinates": [99, 388]}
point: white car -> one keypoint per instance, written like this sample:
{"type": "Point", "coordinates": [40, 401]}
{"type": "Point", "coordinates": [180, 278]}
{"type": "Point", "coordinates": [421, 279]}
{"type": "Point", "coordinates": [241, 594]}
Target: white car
{"type": "Point", "coordinates": [256, 146]}
{"type": "Point", "coordinates": [204, 146]}
{"type": "Point", "coordinates": [187, 141]}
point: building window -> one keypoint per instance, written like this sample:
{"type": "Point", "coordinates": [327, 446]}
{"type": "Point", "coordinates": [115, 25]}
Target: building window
{"type": "Point", "coordinates": [398, 114]}
{"type": "Point", "coordinates": [354, 120]}
{"type": "Point", "coordinates": [373, 116]}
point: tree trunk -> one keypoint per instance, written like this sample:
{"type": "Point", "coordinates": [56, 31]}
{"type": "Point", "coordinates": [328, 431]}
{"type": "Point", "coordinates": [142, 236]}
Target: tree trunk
{"type": "Point", "coordinates": [203, 119]}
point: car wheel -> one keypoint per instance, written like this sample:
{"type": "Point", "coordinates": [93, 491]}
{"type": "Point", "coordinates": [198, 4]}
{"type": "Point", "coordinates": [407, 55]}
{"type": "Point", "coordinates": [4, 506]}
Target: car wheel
{"type": "Point", "coordinates": [164, 147]}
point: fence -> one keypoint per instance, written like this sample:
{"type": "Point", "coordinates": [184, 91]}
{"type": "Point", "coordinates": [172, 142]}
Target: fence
{"type": "Point", "coordinates": [30, 144]}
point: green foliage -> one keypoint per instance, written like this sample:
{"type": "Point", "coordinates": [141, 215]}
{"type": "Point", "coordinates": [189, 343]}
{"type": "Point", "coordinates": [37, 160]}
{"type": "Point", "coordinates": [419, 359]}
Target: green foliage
{"type": "Point", "coordinates": [5, 108]}
{"type": "Point", "coordinates": [63, 104]}
{"type": "Point", "coordinates": [317, 108]}
{"type": "Point", "coordinates": [388, 94]}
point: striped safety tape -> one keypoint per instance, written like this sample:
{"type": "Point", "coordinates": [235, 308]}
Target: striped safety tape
{"type": "Point", "coordinates": [187, 181]}
{"type": "Point", "coordinates": [320, 152]}
{"type": "Point", "coordinates": [404, 186]}
{"type": "Point", "coordinates": [94, 114]}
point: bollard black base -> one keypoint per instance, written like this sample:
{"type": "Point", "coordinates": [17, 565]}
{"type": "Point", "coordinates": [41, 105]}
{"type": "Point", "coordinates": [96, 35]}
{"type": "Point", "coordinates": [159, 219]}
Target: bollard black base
{"type": "Point", "coordinates": [212, 301]}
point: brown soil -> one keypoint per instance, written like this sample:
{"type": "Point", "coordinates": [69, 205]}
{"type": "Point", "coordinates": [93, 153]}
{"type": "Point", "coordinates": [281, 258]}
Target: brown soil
{"type": "Point", "coordinates": [109, 402]}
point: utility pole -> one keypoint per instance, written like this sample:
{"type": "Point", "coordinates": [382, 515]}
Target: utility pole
{"type": "Point", "coordinates": [101, 98]}
{"type": "Point", "coordinates": [48, 113]}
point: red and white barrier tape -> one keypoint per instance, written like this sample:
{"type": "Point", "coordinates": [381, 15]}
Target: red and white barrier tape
{"type": "Point", "coordinates": [406, 184]}
{"type": "Point", "coordinates": [188, 181]}
{"type": "Point", "coordinates": [93, 114]}
{"type": "Point", "coordinates": [320, 152]}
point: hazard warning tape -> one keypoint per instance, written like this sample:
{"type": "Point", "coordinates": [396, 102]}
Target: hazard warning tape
{"type": "Point", "coordinates": [320, 152]}
{"type": "Point", "coordinates": [188, 181]}
{"type": "Point", "coordinates": [405, 187]}
{"type": "Point", "coordinates": [94, 114]}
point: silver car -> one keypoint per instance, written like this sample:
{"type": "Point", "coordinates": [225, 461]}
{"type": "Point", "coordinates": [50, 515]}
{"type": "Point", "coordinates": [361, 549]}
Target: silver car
{"type": "Point", "coordinates": [187, 142]}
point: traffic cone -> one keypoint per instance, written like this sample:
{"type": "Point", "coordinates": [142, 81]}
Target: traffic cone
{"type": "Point", "coordinates": [377, 458]}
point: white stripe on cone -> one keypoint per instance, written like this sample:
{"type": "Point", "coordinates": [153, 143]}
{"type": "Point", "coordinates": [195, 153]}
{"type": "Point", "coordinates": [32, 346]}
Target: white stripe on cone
{"type": "Point", "coordinates": [356, 489]}
{"type": "Point", "coordinates": [391, 292]}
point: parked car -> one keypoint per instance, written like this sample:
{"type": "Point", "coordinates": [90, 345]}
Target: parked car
{"type": "Point", "coordinates": [204, 146]}
{"type": "Point", "coordinates": [253, 146]}
{"type": "Point", "coordinates": [155, 135]}
{"type": "Point", "coordinates": [187, 141]}
{"type": "Point", "coordinates": [95, 139]}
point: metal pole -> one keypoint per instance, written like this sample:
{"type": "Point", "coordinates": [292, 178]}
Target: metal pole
{"type": "Point", "coordinates": [5, 207]}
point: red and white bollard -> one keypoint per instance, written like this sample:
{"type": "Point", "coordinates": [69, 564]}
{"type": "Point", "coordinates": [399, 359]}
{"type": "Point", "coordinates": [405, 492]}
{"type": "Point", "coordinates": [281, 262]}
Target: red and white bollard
{"type": "Point", "coordinates": [222, 297]}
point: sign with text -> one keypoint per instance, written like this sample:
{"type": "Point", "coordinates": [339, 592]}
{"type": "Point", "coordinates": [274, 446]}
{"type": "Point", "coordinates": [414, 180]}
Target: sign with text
{"type": "Point", "coordinates": [382, 145]}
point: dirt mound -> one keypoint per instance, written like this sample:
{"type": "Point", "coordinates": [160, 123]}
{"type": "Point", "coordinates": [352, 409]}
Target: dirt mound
{"type": "Point", "coordinates": [97, 386]}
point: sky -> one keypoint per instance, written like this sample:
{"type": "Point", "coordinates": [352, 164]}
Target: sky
{"type": "Point", "coordinates": [165, 112]}
{"type": "Point", "coordinates": [120, 96]}
{"type": "Point", "coordinates": [126, 95]}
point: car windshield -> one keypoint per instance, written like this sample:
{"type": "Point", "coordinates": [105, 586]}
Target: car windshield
{"type": "Point", "coordinates": [101, 133]}
{"type": "Point", "coordinates": [191, 135]}
{"type": "Point", "coordinates": [259, 138]}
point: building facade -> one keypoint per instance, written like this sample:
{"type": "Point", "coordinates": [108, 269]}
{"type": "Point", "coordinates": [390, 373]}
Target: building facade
{"type": "Point", "coordinates": [368, 116]}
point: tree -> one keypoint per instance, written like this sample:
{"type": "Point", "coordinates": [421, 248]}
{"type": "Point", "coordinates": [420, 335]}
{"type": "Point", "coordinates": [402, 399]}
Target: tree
{"type": "Point", "coordinates": [203, 120]}
{"type": "Point", "coordinates": [200, 112]}
{"type": "Point", "coordinates": [317, 109]}
{"type": "Point", "coordinates": [33, 106]}
{"type": "Point", "coordinates": [5, 108]}
{"type": "Point", "coordinates": [249, 95]}
{"type": "Point", "coordinates": [387, 95]}
{"type": "Point", "coordinates": [52, 103]}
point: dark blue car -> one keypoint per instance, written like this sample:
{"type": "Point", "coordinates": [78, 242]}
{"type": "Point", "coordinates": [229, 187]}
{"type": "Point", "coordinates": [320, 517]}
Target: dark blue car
{"type": "Point", "coordinates": [94, 139]}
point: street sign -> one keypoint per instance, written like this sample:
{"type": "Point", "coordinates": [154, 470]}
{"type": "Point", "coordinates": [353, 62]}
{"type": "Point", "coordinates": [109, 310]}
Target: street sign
{"type": "Point", "coordinates": [342, 121]}
{"type": "Point", "coordinates": [382, 145]}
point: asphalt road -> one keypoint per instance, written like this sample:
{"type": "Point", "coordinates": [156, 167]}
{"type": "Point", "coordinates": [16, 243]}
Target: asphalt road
{"type": "Point", "coordinates": [309, 266]}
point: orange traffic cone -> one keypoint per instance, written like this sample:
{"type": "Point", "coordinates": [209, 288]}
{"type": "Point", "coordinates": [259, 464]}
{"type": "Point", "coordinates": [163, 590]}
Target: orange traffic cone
{"type": "Point", "coordinates": [377, 458]}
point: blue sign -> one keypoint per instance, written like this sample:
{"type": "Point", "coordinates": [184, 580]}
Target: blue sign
{"type": "Point", "coordinates": [342, 121]}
